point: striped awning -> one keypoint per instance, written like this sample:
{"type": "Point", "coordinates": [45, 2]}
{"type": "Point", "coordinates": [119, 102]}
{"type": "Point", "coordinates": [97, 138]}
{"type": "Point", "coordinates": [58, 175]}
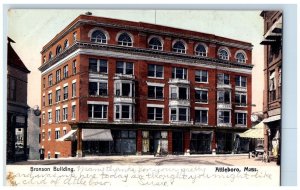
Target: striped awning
{"type": "Point", "coordinates": [256, 132]}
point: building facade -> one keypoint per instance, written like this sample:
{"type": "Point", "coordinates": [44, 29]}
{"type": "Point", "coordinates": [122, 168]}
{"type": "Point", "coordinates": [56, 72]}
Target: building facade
{"type": "Point", "coordinates": [118, 87]}
{"type": "Point", "coordinates": [17, 76]}
{"type": "Point", "coordinates": [272, 76]}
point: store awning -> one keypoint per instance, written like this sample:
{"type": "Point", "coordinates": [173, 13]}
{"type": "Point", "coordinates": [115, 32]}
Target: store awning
{"type": "Point", "coordinates": [256, 132]}
{"type": "Point", "coordinates": [68, 136]}
{"type": "Point", "coordinates": [96, 135]}
{"type": "Point", "coordinates": [272, 118]}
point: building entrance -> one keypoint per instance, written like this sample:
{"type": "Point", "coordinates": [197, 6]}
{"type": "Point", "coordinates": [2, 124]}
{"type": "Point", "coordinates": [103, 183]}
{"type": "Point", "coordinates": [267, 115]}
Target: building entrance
{"type": "Point", "coordinates": [177, 138]}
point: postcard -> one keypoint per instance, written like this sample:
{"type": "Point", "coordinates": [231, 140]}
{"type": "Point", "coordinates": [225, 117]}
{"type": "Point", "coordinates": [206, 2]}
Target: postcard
{"type": "Point", "coordinates": [148, 98]}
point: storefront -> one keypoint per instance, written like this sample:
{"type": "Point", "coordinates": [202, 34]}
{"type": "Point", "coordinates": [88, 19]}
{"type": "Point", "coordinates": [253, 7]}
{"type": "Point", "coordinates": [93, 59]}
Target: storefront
{"type": "Point", "coordinates": [155, 142]}
{"type": "Point", "coordinates": [224, 141]}
{"type": "Point", "coordinates": [201, 142]}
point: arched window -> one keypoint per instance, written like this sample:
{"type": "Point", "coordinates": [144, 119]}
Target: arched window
{"type": "Point", "coordinates": [179, 47]}
{"type": "Point", "coordinates": [223, 54]}
{"type": "Point", "coordinates": [99, 36]}
{"type": "Point", "coordinates": [155, 43]}
{"type": "Point", "coordinates": [58, 49]}
{"type": "Point", "coordinates": [66, 44]}
{"type": "Point", "coordinates": [201, 50]}
{"type": "Point", "coordinates": [240, 57]}
{"type": "Point", "coordinates": [50, 55]}
{"type": "Point", "coordinates": [124, 40]}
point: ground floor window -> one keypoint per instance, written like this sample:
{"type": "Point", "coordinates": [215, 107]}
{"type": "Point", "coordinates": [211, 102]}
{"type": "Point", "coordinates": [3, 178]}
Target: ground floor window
{"type": "Point", "coordinates": [200, 142]}
{"type": "Point", "coordinates": [224, 142]}
{"type": "Point", "coordinates": [155, 142]}
{"type": "Point", "coordinates": [124, 142]}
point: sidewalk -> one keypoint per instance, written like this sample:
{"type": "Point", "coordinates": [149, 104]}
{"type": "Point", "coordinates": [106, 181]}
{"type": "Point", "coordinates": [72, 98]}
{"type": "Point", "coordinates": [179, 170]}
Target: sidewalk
{"type": "Point", "coordinates": [209, 160]}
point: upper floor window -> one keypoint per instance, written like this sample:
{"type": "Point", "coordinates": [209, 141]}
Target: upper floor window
{"type": "Point", "coordinates": [97, 111]}
{"type": "Point", "coordinates": [65, 70]}
{"type": "Point", "coordinates": [50, 99]}
{"type": "Point", "coordinates": [179, 47]}
{"type": "Point", "coordinates": [98, 65]}
{"type": "Point", "coordinates": [125, 68]}
{"type": "Point", "coordinates": [240, 57]}
{"type": "Point", "coordinates": [223, 54]}
{"type": "Point", "coordinates": [75, 36]}
{"type": "Point", "coordinates": [201, 50]}
{"type": "Point", "coordinates": [74, 67]}
{"type": "Point", "coordinates": [124, 89]}
{"type": "Point", "coordinates": [224, 117]}
{"type": "Point", "coordinates": [50, 55]}
{"type": "Point", "coordinates": [155, 114]}
{"type": "Point", "coordinates": [12, 90]}
{"type": "Point", "coordinates": [123, 111]}
{"type": "Point", "coordinates": [201, 116]}
{"type": "Point", "coordinates": [44, 59]}
{"type": "Point", "coordinates": [155, 71]}
{"type": "Point", "coordinates": [201, 96]}
{"type": "Point", "coordinates": [50, 82]}
{"type": "Point", "coordinates": [179, 73]}
{"type": "Point", "coordinates": [58, 49]}
{"type": "Point", "coordinates": [241, 118]}
{"type": "Point", "coordinates": [224, 96]}
{"type": "Point", "coordinates": [201, 76]}
{"type": "Point", "coordinates": [124, 39]}
{"type": "Point", "coordinates": [65, 92]}
{"type": "Point", "coordinates": [98, 36]}
{"type": "Point", "coordinates": [155, 92]}
{"type": "Point", "coordinates": [241, 99]}
{"type": "Point", "coordinates": [241, 81]}
{"type": "Point", "coordinates": [66, 44]}
{"type": "Point", "coordinates": [98, 88]}
{"type": "Point", "coordinates": [155, 43]}
{"type": "Point", "coordinates": [181, 93]}
{"type": "Point", "coordinates": [223, 79]}
{"type": "Point", "coordinates": [179, 114]}
{"type": "Point", "coordinates": [57, 75]}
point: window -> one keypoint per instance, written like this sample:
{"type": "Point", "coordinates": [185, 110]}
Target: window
{"type": "Point", "coordinates": [201, 50]}
{"type": "Point", "coordinates": [124, 89]}
{"type": "Point", "coordinates": [44, 59]}
{"type": "Point", "coordinates": [50, 99]}
{"type": "Point", "coordinates": [66, 44]}
{"type": "Point", "coordinates": [57, 115]}
{"type": "Point", "coordinates": [43, 135]}
{"type": "Point", "coordinates": [179, 73]}
{"type": "Point", "coordinates": [124, 68]}
{"type": "Point", "coordinates": [224, 97]}
{"type": "Point", "coordinates": [155, 114]}
{"type": "Point", "coordinates": [155, 92]}
{"type": "Point", "coordinates": [98, 88]}
{"type": "Point", "coordinates": [98, 66]}
{"type": "Point", "coordinates": [155, 71]}
{"type": "Point", "coordinates": [44, 82]}
{"type": "Point", "coordinates": [201, 116]}
{"type": "Point", "coordinates": [223, 79]}
{"type": "Point", "coordinates": [75, 36]}
{"type": "Point", "coordinates": [57, 95]}
{"type": "Point", "coordinates": [241, 99]}
{"type": "Point", "coordinates": [12, 89]}
{"type": "Point", "coordinates": [58, 49]}
{"type": "Point", "coordinates": [272, 86]}
{"type": "Point", "coordinates": [124, 40]}
{"type": "Point", "coordinates": [43, 101]}
{"type": "Point", "coordinates": [43, 118]}
{"type": "Point", "coordinates": [223, 54]}
{"type": "Point", "coordinates": [179, 114]}
{"type": "Point", "coordinates": [73, 111]}
{"type": "Point", "coordinates": [201, 76]}
{"type": "Point", "coordinates": [49, 117]}
{"type": "Point", "coordinates": [224, 117]}
{"type": "Point", "coordinates": [49, 134]}
{"type": "Point", "coordinates": [201, 96]}
{"type": "Point", "coordinates": [73, 89]}
{"type": "Point", "coordinates": [241, 118]}
{"type": "Point", "coordinates": [123, 111]}
{"type": "Point", "coordinates": [74, 67]}
{"type": "Point", "coordinates": [181, 93]}
{"type": "Point", "coordinates": [179, 47]}
{"type": "Point", "coordinates": [50, 55]}
{"type": "Point", "coordinates": [98, 36]}
{"type": "Point", "coordinates": [65, 113]}
{"type": "Point", "coordinates": [65, 92]}
{"type": "Point", "coordinates": [64, 131]}
{"type": "Point", "coordinates": [57, 76]}
{"type": "Point", "coordinates": [240, 58]}
{"type": "Point", "coordinates": [65, 70]}
{"type": "Point", "coordinates": [57, 134]}
{"type": "Point", "coordinates": [155, 44]}
{"type": "Point", "coordinates": [50, 82]}
{"type": "Point", "coordinates": [241, 81]}
{"type": "Point", "coordinates": [97, 111]}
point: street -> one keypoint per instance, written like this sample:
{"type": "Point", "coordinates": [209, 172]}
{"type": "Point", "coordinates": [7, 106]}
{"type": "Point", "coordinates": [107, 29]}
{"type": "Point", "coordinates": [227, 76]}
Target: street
{"type": "Point", "coordinates": [208, 160]}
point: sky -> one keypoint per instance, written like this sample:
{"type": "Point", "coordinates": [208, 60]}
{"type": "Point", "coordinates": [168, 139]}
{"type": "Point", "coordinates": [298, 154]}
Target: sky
{"type": "Point", "coordinates": [31, 29]}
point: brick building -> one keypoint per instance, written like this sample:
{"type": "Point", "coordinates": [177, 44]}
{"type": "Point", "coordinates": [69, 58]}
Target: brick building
{"type": "Point", "coordinates": [272, 77]}
{"type": "Point", "coordinates": [17, 77]}
{"type": "Point", "coordinates": [111, 86]}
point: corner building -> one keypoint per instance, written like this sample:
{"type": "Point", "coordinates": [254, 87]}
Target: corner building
{"type": "Point", "coordinates": [115, 87]}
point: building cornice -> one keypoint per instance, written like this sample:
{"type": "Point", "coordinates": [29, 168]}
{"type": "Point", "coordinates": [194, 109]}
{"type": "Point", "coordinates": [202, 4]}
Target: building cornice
{"type": "Point", "coordinates": [142, 54]}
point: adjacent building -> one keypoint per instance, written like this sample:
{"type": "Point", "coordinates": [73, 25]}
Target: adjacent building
{"type": "Point", "coordinates": [17, 77]}
{"type": "Point", "coordinates": [115, 87]}
{"type": "Point", "coordinates": [272, 76]}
